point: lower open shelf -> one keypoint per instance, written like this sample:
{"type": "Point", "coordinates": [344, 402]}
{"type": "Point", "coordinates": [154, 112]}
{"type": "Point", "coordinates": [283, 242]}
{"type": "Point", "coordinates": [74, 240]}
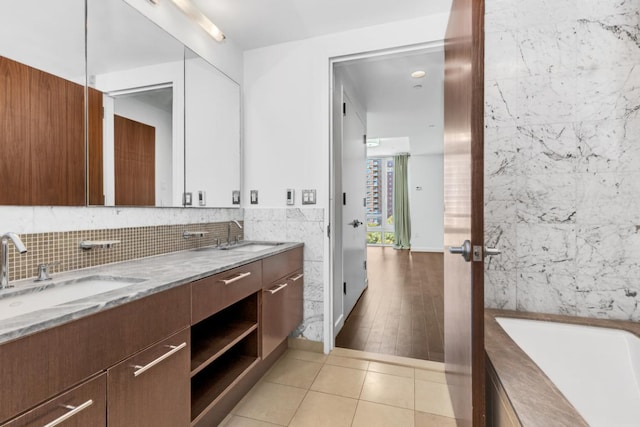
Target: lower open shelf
{"type": "Point", "coordinates": [211, 384]}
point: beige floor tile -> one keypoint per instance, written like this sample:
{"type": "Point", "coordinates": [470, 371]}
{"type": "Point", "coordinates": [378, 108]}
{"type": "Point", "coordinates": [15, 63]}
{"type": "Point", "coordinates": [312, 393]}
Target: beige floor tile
{"type": "Point", "coordinates": [320, 410]}
{"type": "Point", "coordinates": [433, 398]}
{"type": "Point", "coordinates": [371, 414]}
{"type": "Point", "coordinates": [274, 403]}
{"type": "Point", "coordinates": [341, 381]}
{"type": "Point", "coordinates": [309, 356]}
{"type": "Point", "coordinates": [347, 362]}
{"type": "Point", "coordinates": [431, 420]}
{"type": "Point", "coordinates": [293, 372]}
{"type": "Point", "coordinates": [385, 368]}
{"type": "Point", "coordinates": [389, 390]}
{"type": "Point", "coordinates": [434, 376]}
{"type": "Point", "coordinates": [236, 421]}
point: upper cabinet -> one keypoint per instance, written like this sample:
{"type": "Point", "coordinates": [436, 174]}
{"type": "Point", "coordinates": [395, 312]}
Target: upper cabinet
{"type": "Point", "coordinates": [139, 121]}
{"type": "Point", "coordinates": [42, 126]}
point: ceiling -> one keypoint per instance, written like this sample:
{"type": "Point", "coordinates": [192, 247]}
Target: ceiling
{"type": "Point", "coordinates": [258, 23]}
{"type": "Point", "coordinates": [397, 110]}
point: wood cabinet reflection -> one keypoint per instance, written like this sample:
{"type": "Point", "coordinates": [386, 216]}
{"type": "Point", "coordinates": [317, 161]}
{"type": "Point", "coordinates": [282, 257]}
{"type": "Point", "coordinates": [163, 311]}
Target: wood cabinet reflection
{"type": "Point", "coordinates": [41, 137]}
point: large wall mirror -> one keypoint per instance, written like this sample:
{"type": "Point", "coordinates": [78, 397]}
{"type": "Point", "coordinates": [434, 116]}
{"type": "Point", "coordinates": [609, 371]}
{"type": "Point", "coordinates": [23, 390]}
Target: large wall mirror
{"type": "Point", "coordinates": [171, 121]}
{"type": "Point", "coordinates": [42, 78]}
{"type": "Point", "coordinates": [161, 122]}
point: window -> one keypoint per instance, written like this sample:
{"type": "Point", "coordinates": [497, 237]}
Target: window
{"type": "Point", "coordinates": [380, 201]}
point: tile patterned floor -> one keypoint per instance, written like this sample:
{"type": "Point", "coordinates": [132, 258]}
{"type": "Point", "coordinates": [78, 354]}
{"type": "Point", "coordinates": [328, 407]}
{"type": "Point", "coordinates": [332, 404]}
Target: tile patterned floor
{"type": "Point", "coordinates": [306, 389]}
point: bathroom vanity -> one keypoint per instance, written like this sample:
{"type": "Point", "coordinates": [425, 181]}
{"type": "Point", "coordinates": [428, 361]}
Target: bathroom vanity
{"type": "Point", "coordinates": [177, 349]}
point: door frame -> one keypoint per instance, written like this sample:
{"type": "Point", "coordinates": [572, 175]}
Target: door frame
{"type": "Point", "coordinates": [335, 210]}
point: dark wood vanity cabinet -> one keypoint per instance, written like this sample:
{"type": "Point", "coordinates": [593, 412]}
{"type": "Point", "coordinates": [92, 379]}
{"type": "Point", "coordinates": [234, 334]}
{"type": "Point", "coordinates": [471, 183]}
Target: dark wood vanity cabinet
{"type": "Point", "coordinates": [181, 357]}
{"type": "Point", "coordinates": [282, 298]}
{"type": "Point", "coordinates": [82, 406]}
{"type": "Point", "coordinates": [152, 387]}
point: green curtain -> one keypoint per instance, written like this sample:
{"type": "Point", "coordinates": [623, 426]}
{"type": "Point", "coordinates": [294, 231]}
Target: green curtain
{"type": "Point", "coordinates": [401, 216]}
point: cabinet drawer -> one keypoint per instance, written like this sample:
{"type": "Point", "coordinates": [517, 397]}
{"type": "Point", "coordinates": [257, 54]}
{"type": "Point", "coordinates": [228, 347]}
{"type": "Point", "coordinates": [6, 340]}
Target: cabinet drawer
{"type": "Point", "coordinates": [278, 266]}
{"type": "Point", "coordinates": [54, 360]}
{"type": "Point", "coordinates": [214, 293]}
{"type": "Point", "coordinates": [152, 388]}
{"type": "Point", "coordinates": [83, 406]}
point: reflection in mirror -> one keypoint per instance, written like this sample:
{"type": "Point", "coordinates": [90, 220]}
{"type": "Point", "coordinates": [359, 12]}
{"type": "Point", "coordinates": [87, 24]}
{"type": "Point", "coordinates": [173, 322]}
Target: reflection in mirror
{"type": "Point", "coordinates": [42, 76]}
{"type": "Point", "coordinates": [212, 134]}
{"type": "Point", "coordinates": [136, 76]}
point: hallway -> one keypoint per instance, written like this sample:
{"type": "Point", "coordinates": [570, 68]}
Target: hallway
{"type": "Point", "coordinates": [401, 312]}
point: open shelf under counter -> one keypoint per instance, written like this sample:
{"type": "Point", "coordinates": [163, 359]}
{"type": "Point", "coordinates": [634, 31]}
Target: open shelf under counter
{"type": "Point", "coordinates": [211, 384]}
{"type": "Point", "coordinates": [208, 348]}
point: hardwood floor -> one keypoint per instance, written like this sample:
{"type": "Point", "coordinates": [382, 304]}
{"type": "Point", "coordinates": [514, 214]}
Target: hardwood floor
{"type": "Point", "coordinates": [401, 312]}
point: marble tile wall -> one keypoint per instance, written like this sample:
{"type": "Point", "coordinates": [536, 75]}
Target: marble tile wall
{"type": "Point", "coordinates": [297, 225]}
{"type": "Point", "coordinates": [562, 156]}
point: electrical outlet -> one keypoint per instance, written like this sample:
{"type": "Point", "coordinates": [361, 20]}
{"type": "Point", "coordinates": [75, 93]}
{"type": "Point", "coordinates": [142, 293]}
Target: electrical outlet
{"type": "Point", "coordinates": [308, 197]}
{"type": "Point", "coordinates": [187, 199]}
{"type": "Point", "coordinates": [254, 197]}
{"type": "Point", "coordinates": [235, 197]}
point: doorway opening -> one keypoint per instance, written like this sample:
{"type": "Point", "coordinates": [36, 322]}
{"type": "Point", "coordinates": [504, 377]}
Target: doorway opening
{"type": "Point", "coordinates": [387, 261]}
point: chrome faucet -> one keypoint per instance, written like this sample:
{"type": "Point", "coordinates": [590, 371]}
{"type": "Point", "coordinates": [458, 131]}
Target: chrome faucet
{"type": "Point", "coordinates": [229, 231]}
{"type": "Point", "coordinates": [4, 267]}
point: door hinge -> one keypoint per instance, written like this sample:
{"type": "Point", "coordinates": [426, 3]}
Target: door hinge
{"type": "Point", "coordinates": [344, 288]}
{"type": "Point", "coordinates": [364, 202]}
{"type": "Point", "coordinates": [344, 108]}
{"type": "Point", "coordinates": [102, 112]}
{"type": "Point", "coordinates": [344, 199]}
{"type": "Point", "coordinates": [329, 231]}
{"type": "Point", "coordinates": [364, 139]}
{"type": "Point", "coordinates": [365, 264]}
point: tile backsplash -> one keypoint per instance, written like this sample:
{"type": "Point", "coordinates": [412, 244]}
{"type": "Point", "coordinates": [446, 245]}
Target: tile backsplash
{"type": "Point", "coordinates": [562, 156]}
{"type": "Point", "coordinates": [62, 249]}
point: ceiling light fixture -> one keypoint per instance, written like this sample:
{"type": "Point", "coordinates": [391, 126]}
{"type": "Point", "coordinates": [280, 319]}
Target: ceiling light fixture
{"type": "Point", "coordinates": [195, 14]}
{"type": "Point", "coordinates": [418, 74]}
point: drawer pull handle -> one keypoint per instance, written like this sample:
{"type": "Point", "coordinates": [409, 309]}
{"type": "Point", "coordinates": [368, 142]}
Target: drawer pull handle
{"type": "Point", "coordinates": [236, 278]}
{"type": "Point", "coordinates": [277, 288]}
{"type": "Point", "coordinates": [72, 411]}
{"type": "Point", "coordinates": [174, 349]}
{"type": "Point", "coordinates": [298, 277]}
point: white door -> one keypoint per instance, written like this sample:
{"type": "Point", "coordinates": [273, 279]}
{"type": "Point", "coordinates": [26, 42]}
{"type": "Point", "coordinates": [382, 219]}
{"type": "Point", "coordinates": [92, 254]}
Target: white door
{"type": "Point", "coordinates": [354, 188]}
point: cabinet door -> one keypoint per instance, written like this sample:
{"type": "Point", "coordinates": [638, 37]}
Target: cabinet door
{"type": "Point", "coordinates": [152, 388]}
{"type": "Point", "coordinates": [82, 406]}
{"type": "Point", "coordinates": [294, 301]}
{"type": "Point", "coordinates": [274, 316]}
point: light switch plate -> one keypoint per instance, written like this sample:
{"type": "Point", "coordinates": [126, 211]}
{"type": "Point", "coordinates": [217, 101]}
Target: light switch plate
{"type": "Point", "coordinates": [291, 194]}
{"type": "Point", "coordinates": [235, 197]}
{"type": "Point", "coordinates": [254, 197]}
{"type": "Point", "coordinates": [308, 197]}
{"type": "Point", "coordinates": [202, 198]}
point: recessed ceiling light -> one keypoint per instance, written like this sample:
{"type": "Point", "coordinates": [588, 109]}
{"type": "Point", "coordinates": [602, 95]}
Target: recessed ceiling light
{"type": "Point", "coordinates": [418, 74]}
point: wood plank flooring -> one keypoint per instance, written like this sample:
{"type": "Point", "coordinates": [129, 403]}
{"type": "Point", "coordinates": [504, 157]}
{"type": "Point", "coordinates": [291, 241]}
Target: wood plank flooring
{"type": "Point", "coordinates": [402, 310]}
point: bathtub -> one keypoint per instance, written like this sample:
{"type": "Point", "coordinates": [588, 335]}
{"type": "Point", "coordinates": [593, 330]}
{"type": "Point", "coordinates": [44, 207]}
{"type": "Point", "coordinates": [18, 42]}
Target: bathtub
{"type": "Point", "coordinates": [597, 369]}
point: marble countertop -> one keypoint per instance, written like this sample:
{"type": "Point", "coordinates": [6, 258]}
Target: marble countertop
{"type": "Point", "coordinates": [534, 397]}
{"type": "Point", "coordinates": [158, 273]}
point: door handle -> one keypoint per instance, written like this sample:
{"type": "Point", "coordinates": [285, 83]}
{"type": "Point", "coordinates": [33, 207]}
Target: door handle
{"type": "Point", "coordinates": [355, 223]}
{"type": "Point", "coordinates": [464, 250]}
{"type": "Point", "coordinates": [491, 251]}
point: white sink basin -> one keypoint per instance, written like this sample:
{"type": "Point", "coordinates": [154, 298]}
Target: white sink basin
{"type": "Point", "coordinates": [22, 301]}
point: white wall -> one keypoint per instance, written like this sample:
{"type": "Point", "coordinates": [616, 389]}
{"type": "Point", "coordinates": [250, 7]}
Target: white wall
{"type": "Point", "coordinates": [426, 204]}
{"type": "Point", "coordinates": [287, 97]}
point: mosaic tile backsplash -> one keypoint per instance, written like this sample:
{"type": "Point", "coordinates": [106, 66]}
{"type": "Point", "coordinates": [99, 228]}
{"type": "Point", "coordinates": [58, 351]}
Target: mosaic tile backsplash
{"type": "Point", "coordinates": [62, 249]}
